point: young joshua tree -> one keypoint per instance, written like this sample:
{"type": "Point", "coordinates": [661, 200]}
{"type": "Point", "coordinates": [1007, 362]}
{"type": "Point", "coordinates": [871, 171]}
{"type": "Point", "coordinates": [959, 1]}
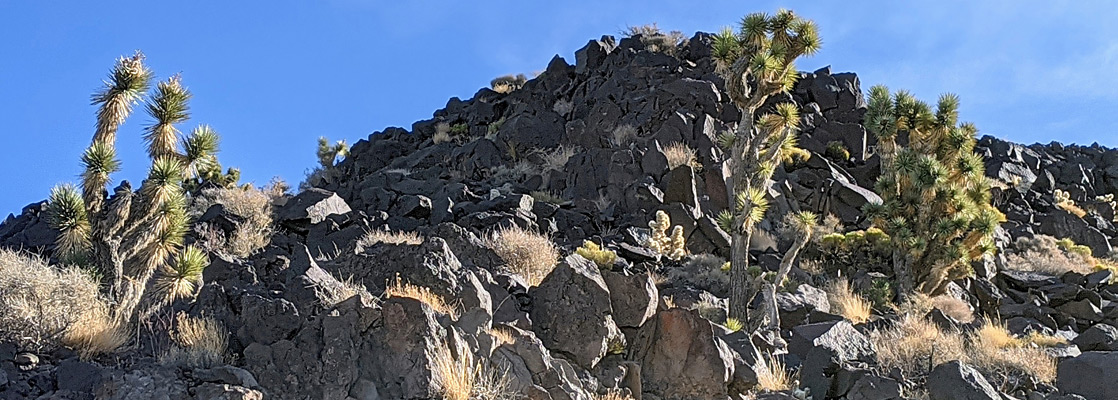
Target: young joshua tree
{"type": "Point", "coordinates": [758, 61]}
{"type": "Point", "coordinates": [936, 196]}
{"type": "Point", "coordinates": [133, 235]}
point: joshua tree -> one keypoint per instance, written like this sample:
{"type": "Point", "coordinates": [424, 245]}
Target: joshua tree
{"type": "Point", "coordinates": [131, 236]}
{"type": "Point", "coordinates": [801, 224]}
{"type": "Point", "coordinates": [936, 196]}
{"type": "Point", "coordinates": [328, 154]}
{"type": "Point", "coordinates": [758, 61]}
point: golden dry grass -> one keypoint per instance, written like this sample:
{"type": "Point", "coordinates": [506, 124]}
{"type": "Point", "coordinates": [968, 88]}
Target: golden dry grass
{"type": "Point", "coordinates": [502, 335]}
{"type": "Point", "coordinates": [773, 377]}
{"type": "Point", "coordinates": [442, 133]}
{"type": "Point", "coordinates": [679, 154]}
{"type": "Point", "coordinates": [423, 294]}
{"type": "Point", "coordinates": [527, 254]}
{"type": "Point", "coordinates": [390, 237]}
{"type": "Point", "coordinates": [43, 307]}
{"type": "Point", "coordinates": [916, 345]}
{"type": "Point", "coordinates": [459, 376]}
{"type": "Point", "coordinates": [848, 304]}
{"type": "Point", "coordinates": [198, 342]}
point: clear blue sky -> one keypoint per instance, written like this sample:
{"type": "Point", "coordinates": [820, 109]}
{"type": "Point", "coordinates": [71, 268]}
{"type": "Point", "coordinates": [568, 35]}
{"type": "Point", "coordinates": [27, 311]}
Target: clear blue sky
{"type": "Point", "coordinates": [272, 76]}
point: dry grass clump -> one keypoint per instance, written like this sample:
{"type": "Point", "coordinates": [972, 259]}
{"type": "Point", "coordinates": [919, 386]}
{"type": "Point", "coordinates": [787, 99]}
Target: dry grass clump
{"type": "Point", "coordinates": [612, 394]}
{"type": "Point", "coordinates": [563, 107]}
{"type": "Point", "coordinates": [1042, 253]}
{"type": "Point", "coordinates": [442, 133]}
{"type": "Point", "coordinates": [43, 307]}
{"type": "Point", "coordinates": [848, 304]}
{"type": "Point", "coordinates": [254, 205]}
{"type": "Point", "coordinates": [423, 294]}
{"type": "Point", "coordinates": [556, 159]}
{"type": "Point", "coordinates": [527, 254]}
{"type": "Point", "coordinates": [547, 197]}
{"type": "Point", "coordinates": [993, 348]}
{"type": "Point", "coordinates": [464, 378]}
{"type": "Point", "coordinates": [502, 334]}
{"type": "Point", "coordinates": [679, 154]}
{"type": "Point", "coordinates": [198, 342]}
{"type": "Point", "coordinates": [954, 308]}
{"type": "Point", "coordinates": [656, 40]}
{"type": "Point", "coordinates": [331, 296]}
{"type": "Point", "coordinates": [390, 237]}
{"type": "Point", "coordinates": [916, 345]}
{"type": "Point", "coordinates": [773, 377]}
{"type": "Point", "coordinates": [622, 134]}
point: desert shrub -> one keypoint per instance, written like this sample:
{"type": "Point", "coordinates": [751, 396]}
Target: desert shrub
{"type": "Point", "coordinates": [656, 40]}
{"type": "Point", "coordinates": [1045, 254]}
{"type": "Point", "coordinates": [848, 304]}
{"type": "Point", "coordinates": [44, 307]}
{"type": "Point", "coordinates": [556, 159]}
{"type": "Point", "coordinates": [253, 205]}
{"type": "Point", "coordinates": [622, 134]}
{"type": "Point", "coordinates": [459, 129]}
{"type": "Point", "coordinates": [330, 296]}
{"type": "Point", "coordinates": [547, 197]}
{"type": "Point", "coordinates": [679, 154]}
{"type": "Point", "coordinates": [199, 342]}
{"type": "Point", "coordinates": [836, 150]}
{"type": "Point", "coordinates": [604, 258]}
{"type": "Point", "coordinates": [527, 254]}
{"type": "Point", "coordinates": [508, 83]}
{"type": "Point", "coordinates": [702, 271]}
{"type": "Point", "coordinates": [399, 288]}
{"type": "Point", "coordinates": [563, 107]}
{"type": "Point", "coordinates": [517, 172]}
{"type": "Point", "coordinates": [442, 133]}
{"type": "Point", "coordinates": [494, 127]}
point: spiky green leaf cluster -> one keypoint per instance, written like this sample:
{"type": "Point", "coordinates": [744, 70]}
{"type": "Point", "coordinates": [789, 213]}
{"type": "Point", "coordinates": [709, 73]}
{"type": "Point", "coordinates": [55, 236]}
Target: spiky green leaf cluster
{"type": "Point", "coordinates": [180, 278]}
{"type": "Point", "coordinates": [936, 197]}
{"type": "Point", "coordinates": [67, 213]}
{"type": "Point", "coordinates": [127, 82]}
{"type": "Point", "coordinates": [328, 153]}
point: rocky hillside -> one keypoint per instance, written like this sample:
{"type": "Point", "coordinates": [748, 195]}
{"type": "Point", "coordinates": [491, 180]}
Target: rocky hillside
{"type": "Point", "coordinates": [591, 151]}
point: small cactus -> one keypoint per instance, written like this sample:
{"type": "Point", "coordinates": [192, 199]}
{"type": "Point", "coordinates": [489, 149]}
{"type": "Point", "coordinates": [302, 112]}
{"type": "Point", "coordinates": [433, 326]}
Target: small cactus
{"type": "Point", "coordinates": [673, 246]}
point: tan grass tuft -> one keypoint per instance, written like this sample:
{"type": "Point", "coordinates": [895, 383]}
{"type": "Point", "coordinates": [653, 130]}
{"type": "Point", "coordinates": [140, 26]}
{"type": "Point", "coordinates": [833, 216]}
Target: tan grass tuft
{"type": "Point", "coordinates": [556, 159]}
{"type": "Point", "coordinates": [527, 254]}
{"type": "Point", "coordinates": [915, 345]}
{"type": "Point", "coordinates": [954, 308]}
{"type": "Point", "coordinates": [331, 296]}
{"type": "Point", "coordinates": [459, 376]}
{"type": "Point", "coordinates": [1042, 253]}
{"type": "Point", "coordinates": [612, 394]}
{"type": "Point", "coordinates": [848, 304]}
{"type": "Point", "coordinates": [390, 237]}
{"type": "Point", "coordinates": [773, 377]}
{"type": "Point", "coordinates": [96, 332]}
{"type": "Point", "coordinates": [679, 154]}
{"type": "Point", "coordinates": [199, 342]}
{"type": "Point", "coordinates": [502, 335]}
{"type": "Point", "coordinates": [423, 294]}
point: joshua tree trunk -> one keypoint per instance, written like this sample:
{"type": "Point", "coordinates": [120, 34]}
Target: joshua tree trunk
{"type": "Point", "coordinates": [785, 268]}
{"type": "Point", "coordinates": [741, 289]}
{"type": "Point", "coordinates": [902, 270]}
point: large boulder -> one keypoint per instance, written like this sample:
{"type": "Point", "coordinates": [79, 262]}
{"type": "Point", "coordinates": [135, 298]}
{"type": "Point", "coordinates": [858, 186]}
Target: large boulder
{"type": "Point", "coordinates": [571, 311]}
{"type": "Point", "coordinates": [958, 381]}
{"type": "Point", "coordinates": [633, 298]}
{"type": "Point", "coordinates": [1100, 337]}
{"type": "Point", "coordinates": [1063, 224]}
{"type": "Point", "coordinates": [310, 207]}
{"type": "Point", "coordinates": [1084, 375]}
{"type": "Point", "coordinates": [681, 357]}
{"type": "Point", "coordinates": [825, 348]}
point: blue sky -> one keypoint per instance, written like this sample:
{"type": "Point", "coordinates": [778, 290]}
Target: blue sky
{"type": "Point", "coordinates": [273, 76]}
